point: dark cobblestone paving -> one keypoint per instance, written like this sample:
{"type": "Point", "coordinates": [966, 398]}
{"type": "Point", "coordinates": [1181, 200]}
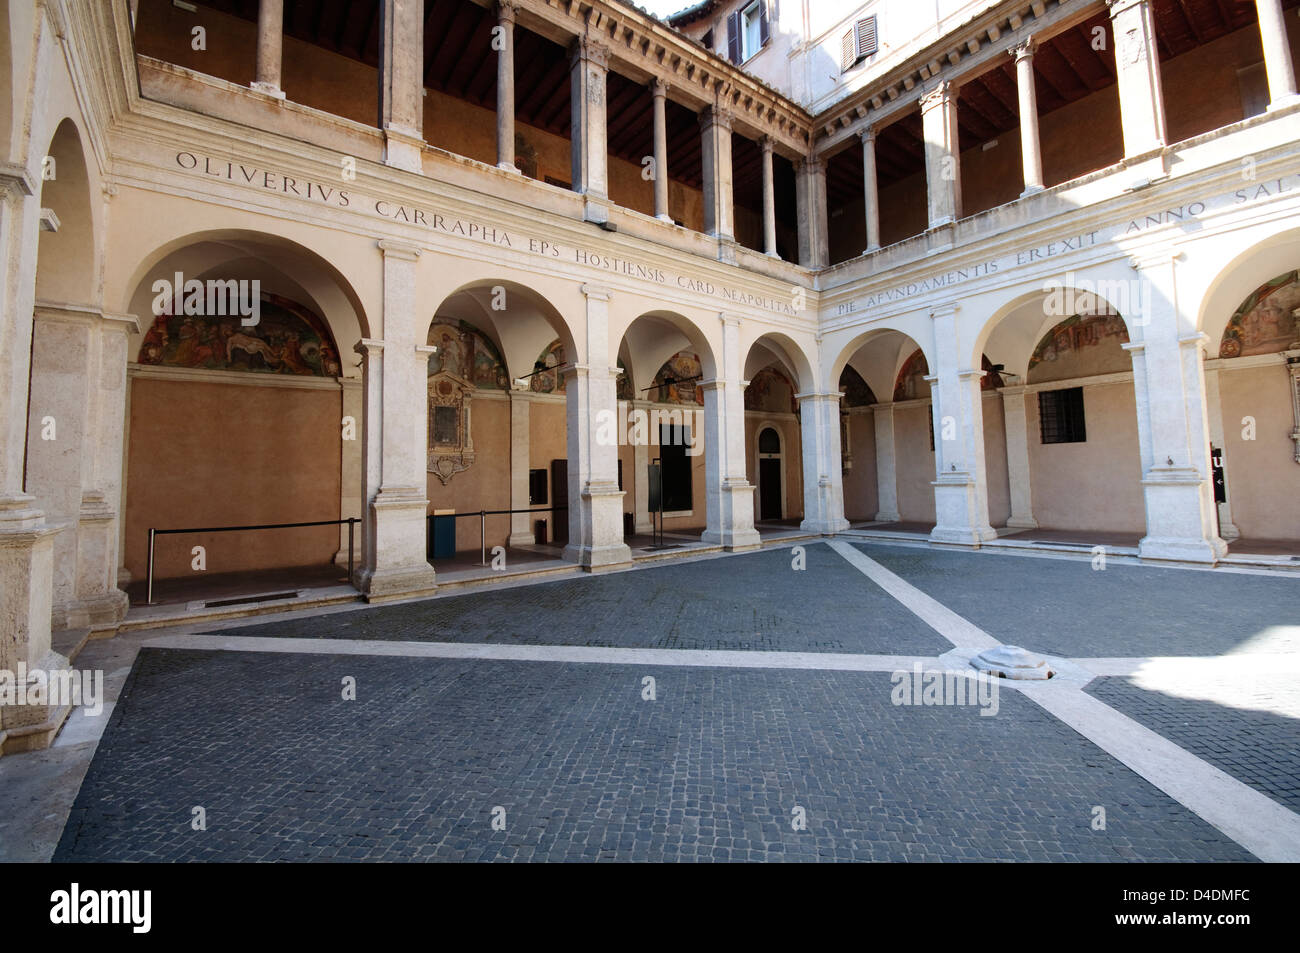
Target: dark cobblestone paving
{"type": "Point", "coordinates": [1066, 608]}
{"type": "Point", "coordinates": [754, 601]}
{"type": "Point", "coordinates": [1258, 748]}
{"type": "Point", "coordinates": [587, 770]}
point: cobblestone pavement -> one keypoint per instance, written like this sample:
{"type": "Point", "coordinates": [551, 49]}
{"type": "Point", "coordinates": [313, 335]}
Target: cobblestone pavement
{"type": "Point", "coordinates": [586, 769]}
{"type": "Point", "coordinates": [1064, 607]}
{"type": "Point", "coordinates": [753, 601]}
{"type": "Point", "coordinates": [1259, 748]}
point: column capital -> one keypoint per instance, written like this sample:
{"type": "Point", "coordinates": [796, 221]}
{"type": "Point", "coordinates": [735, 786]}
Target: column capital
{"type": "Point", "coordinates": [1025, 49]}
{"type": "Point", "coordinates": [1147, 259]}
{"type": "Point", "coordinates": [658, 88]}
{"type": "Point", "coordinates": [767, 143]}
{"type": "Point", "coordinates": [369, 347]}
{"type": "Point", "coordinates": [814, 396]}
{"type": "Point", "coordinates": [943, 92]}
{"type": "Point", "coordinates": [402, 251]}
{"type": "Point", "coordinates": [716, 115]}
{"type": "Point", "coordinates": [1117, 7]}
{"type": "Point", "coordinates": [587, 50]}
{"type": "Point", "coordinates": [1197, 339]}
{"type": "Point", "coordinates": [597, 292]}
{"type": "Point", "coordinates": [945, 310]}
{"type": "Point", "coordinates": [811, 165]}
{"type": "Point", "coordinates": [971, 375]}
{"type": "Point", "coordinates": [729, 320]}
{"type": "Point", "coordinates": [867, 134]}
{"type": "Point", "coordinates": [1013, 390]}
{"type": "Point", "coordinates": [15, 177]}
{"type": "Point", "coordinates": [506, 11]}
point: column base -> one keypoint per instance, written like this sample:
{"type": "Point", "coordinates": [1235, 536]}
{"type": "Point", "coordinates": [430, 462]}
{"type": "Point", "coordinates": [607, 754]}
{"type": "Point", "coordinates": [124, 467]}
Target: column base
{"type": "Point", "coordinates": [508, 167]}
{"type": "Point", "coordinates": [603, 546]}
{"type": "Point", "coordinates": [825, 527]}
{"type": "Point", "coordinates": [1022, 522]}
{"type": "Point", "coordinates": [883, 517]}
{"type": "Point", "coordinates": [521, 539]}
{"type": "Point", "coordinates": [1031, 190]}
{"type": "Point", "coordinates": [404, 149]}
{"type": "Point", "coordinates": [735, 518]}
{"type": "Point", "coordinates": [1181, 550]}
{"type": "Point", "coordinates": [383, 585]}
{"type": "Point", "coordinates": [1286, 102]}
{"type": "Point", "coordinates": [666, 218]}
{"type": "Point", "coordinates": [595, 209]}
{"type": "Point", "coordinates": [733, 540]}
{"type": "Point", "coordinates": [267, 89]}
{"type": "Point", "coordinates": [101, 611]}
{"type": "Point", "coordinates": [34, 727]}
{"type": "Point", "coordinates": [956, 522]}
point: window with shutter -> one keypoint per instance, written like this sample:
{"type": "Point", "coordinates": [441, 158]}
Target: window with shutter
{"type": "Point", "coordinates": [733, 38]}
{"type": "Point", "coordinates": [858, 43]}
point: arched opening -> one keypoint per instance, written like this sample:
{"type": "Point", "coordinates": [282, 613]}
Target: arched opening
{"type": "Point", "coordinates": [667, 363]}
{"type": "Point", "coordinates": [497, 454]}
{"type": "Point", "coordinates": [1253, 398]}
{"type": "Point", "coordinates": [887, 442]}
{"type": "Point", "coordinates": [1062, 451]}
{"type": "Point", "coordinates": [775, 370]}
{"type": "Point", "coordinates": [242, 411]}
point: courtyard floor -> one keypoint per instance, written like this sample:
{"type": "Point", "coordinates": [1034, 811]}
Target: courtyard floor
{"type": "Point", "coordinates": [735, 707]}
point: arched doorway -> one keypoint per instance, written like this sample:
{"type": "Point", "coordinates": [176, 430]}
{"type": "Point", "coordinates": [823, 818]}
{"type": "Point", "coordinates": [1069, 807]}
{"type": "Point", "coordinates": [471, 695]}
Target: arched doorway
{"type": "Point", "coordinates": [771, 499]}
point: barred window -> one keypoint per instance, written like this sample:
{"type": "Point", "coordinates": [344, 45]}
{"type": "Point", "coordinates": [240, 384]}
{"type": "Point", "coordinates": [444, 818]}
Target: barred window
{"type": "Point", "coordinates": [1060, 415]}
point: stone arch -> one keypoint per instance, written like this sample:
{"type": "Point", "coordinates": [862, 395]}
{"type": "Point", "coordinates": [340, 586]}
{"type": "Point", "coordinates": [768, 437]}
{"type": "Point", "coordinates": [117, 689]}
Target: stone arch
{"type": "Point", "coordinates": [1252, 267]}
{"type": "Point", "coordinates": [787, 352]}
{"type": "Point", "coordinates": [67, 267]}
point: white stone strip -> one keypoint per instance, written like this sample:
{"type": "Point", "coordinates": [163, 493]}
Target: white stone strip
{"type": "Point", "coordinates": [698, 658]}
{"type": "Point", "coordinates": [958, 631]}
{"type": "Point", "coordinates": [1220, 666]}
{"type": "Point", "coordinates": [1256, 822]}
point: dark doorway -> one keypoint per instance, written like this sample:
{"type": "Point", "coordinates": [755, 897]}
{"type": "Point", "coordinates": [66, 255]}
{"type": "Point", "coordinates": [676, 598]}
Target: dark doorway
{"type": "Point", "coordinates": [769, 475]}
{"type": "Point", "coordinates": [769, 486]}
{"type": "Point", "coordinates": [559, 517]}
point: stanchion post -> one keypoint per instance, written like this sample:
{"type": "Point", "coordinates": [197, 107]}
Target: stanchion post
{"type": "Point", "coordinates": [148, 597]}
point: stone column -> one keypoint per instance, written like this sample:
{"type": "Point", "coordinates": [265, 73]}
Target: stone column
{"type": "Point", "coordinates": [810, 197]}
{"type": "Point", "coordinates": [769, 199]}
{"type": "Point", "coordinates": [942, 154]}
{"type": "Point", "coordinates": [729, 495]}
{"type": "Point", "coordinates": [26, 542]}
{"type": "Point", "coordinates": [960, 488]}
{"type": "Point", "coordinates": [886, 466]}
{"type": "Point", "coordinates": [521, 526]}
{"type": "Point", "coordinates": [870, 189]}
{"type": "Point", "coordinates": [595, 501]}
{"type": "Point", "coordinates": [823, 484]}
{"type": "Point", "coordinates": [589, 65]}
{"type": "Point", "coordinates": [659, 92]}
{"type": "Point", "coordinates": [351, 470]}
{"type": "Point", "coordinates": [719, 214]}
{"type": "Point", "coordinates": [395, 551]}
{"type": "Point", "coordinates": [1214, 406]}
{"type": "Point", "coordinates": [1277, 54]}
{"type": "Point", "coordinates": [1141, 100]}
{"type": "Point", "coordinates": [1030, 148]}
{"type": "Point", "coordinates": [270, 48]}
{"type": "Point", "coordinates": [640, 481]}
{"type": "Point", "coordinates": [506, 86]}
{"type": "Point", "coordinates": [401, 82]}
{"type": "Point", "coordinates": [1017, 426]}
{"type": "Point", "coordinates": [1173, 423]}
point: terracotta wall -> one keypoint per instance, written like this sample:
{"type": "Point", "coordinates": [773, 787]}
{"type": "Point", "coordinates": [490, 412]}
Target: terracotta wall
{"type": "Point", "coordinates": [1094, 485]}
{"type": "Point", "coordinates": [485, 485]}
{"type": "Point", "coordinates": [861, 497]}
{"type": "Point", "coordinates": [1263, 478]}
{"type": "Point", "coordinates": [995, 459]}
{"type": "Point", "coordinates": [791, 458]}
{"type": "Point", "coordinates": [914, 463]}
{"type": "Point", "coordinates": [215, 454]}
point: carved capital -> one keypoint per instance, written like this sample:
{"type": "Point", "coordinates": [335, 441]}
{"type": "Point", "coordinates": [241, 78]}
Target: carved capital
{"type": "Point", "coordinates": [587, 50]}
{"type": "Point", "coordinates": [506, 11]}
{"type": "Point", "coordinates": [1025, 49]}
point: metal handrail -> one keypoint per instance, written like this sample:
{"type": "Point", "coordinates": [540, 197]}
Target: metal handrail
{"type": "Point", "coordinates": [154, 533]}
{"type": "Point", "coordinates": [482, 522]}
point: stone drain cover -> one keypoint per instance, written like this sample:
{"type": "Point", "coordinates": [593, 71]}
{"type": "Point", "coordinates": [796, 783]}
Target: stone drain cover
{"type": "Point", "coordinates": [1011, 661]}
